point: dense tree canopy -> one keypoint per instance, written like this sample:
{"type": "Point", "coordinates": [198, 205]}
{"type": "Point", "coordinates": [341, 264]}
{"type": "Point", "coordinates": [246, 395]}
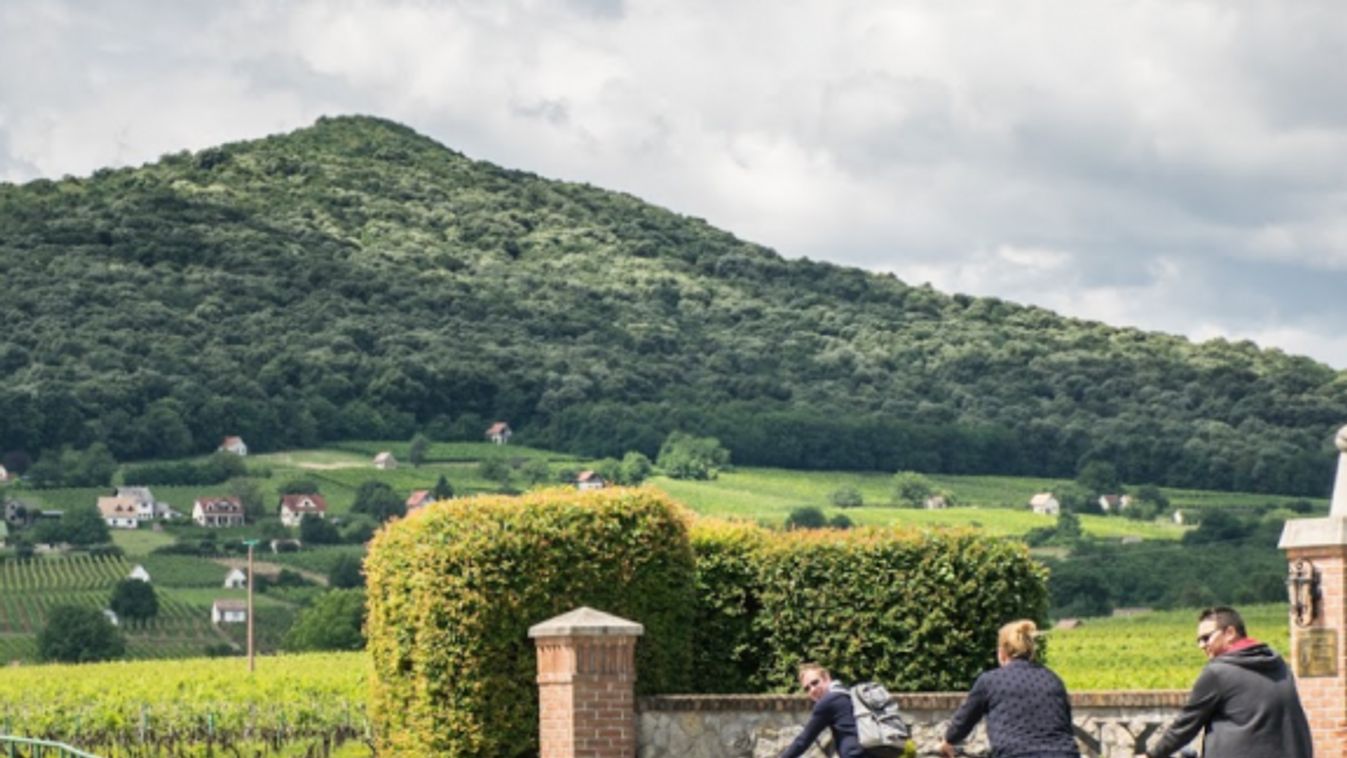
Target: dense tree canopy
{"type": "Point", "coordinates": [79, 634]}
{"type": "Point", "coordinates": [356, 280]}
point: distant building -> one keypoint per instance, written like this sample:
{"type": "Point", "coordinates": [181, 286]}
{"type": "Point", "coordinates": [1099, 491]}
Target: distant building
{"type": "Point", "coordinates": [111, 616]}
{"type": "Point", "coordinates": [147, 508]}
{"type": "Point", "coordinates": [1178, 517]}
{"type": "Point", "coordinates": [296, 507]}
{"type": "Point", "coordinates": [16, 513]}
{"type": "Point", "coordinates": [418, 500]}
{"type": "Point", "coordinates": [499, 433]}
{"type": "Point", "coordinates": [218, 511]}
{"type": "Point", "coordinates": [233, 445]}
{"type": "Point", "coordinates": [229, 612]}
{"type": "Point", "coordinates": [1045, 504]}
{"type": "Point", "coordinates": [236, 579]}
{"type": "Point", "coordinates": [139, 574]}
{"type": "Point", "coordinates": [936, 503]}
{"type": "Point", "coordinates": [589, 480]}
{"type": "Point", "coordinates": [1114, 503]}
{"type": "Point", "coordinates": [119, 512]}
{"type": "Point", "coordinates": [385, 461]}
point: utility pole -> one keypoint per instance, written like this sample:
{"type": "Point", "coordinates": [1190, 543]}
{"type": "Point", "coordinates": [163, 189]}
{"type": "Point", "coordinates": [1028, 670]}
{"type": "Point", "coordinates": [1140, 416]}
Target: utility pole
{"type": "Point", "coordinates": [251, 544]}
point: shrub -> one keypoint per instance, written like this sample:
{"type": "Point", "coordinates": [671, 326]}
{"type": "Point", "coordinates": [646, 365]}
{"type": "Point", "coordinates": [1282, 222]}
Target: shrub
{"type": "Point", "coordinates": [846, 497]}
{"type": "Point", "coordinates": [454, 589]}
{"type": "Point", "coordinates": [806, 517]}
{"type": "Point", "coordinates": [917, 611]}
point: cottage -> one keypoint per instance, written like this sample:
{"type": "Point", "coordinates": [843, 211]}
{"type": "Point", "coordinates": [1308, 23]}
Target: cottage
{"type": "Point", "coordinates": [228, 612]}
{"type": "Point", "coordinates": [1114, 503]}
{"type": "Point", "coordinates": [296, 507]}
{"type": "Point", "coordinates": [1178, 517]}
{"type": "Point", "coordinates": [218, 511]}
{"type": "Point", "coordinates": [139, 574]}
{"type": "Point", "coordinates": [236, 579]}
{"type": "Point", "coordinates": [233, 445]}
{"type": "Point", "coordinates": [119, 512]}
{"type": "Point", "coordinates": [1044, 504]}
{"type": "Point", "coordinates": [147, 508]}
{"type": "Point", "coordinates": [936, 503]}
{"type": "Point", "coordinates": [385, 461]}
{"type": "Point", "coordinates": [418, 500]}
{"type": "Point", "coordinates": [589, 480]}
{"type": "Point", "coordinates": [499, 433]}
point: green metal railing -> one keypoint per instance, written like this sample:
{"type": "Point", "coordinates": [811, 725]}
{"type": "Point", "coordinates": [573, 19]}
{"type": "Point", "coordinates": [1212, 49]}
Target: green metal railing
{"type": "Point", "coordinates": [23, 747]}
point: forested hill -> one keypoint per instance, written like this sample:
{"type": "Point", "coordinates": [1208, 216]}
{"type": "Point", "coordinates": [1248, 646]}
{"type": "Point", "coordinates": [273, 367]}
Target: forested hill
{"type": "Point", "coordinates": [356, 280]}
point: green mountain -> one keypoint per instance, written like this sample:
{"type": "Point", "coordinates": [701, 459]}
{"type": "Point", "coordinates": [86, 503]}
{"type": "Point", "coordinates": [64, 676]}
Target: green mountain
{"type": "Point", "coordinates": [357, 280]}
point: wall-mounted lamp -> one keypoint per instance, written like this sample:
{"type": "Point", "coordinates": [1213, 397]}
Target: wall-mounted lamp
{"type": "Point", "coordinates": [1302, 589]}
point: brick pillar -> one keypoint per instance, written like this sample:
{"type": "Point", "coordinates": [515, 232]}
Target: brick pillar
{"type": "Point", "coordinates": [586, 685]}
{"type": "Point", "coordinates": [1318, 650]}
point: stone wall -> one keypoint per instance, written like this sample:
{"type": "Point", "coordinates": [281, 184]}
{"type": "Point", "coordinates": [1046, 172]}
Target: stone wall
{"type": "Point", "coordinates": [1108, 724]}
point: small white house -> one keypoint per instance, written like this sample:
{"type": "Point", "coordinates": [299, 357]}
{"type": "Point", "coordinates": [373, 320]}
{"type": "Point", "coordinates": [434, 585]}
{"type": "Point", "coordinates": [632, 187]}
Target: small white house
{"type": "Point", "coordinates": [385, 461]}
{"type": "Point", "coordinates": [499, 433]}
{"type": "Point", "coordinates": [418, 500]}
{"type": "Point", "coordinates": [233, 445]}
{"type": "Point", "coordinates": [1044, 504]}
{"type": "Point", "coordinates": [139, 574]}
{"type": "Point", "coordinates": [295, 507]}
{"type": "Point", "coordinates": [147, 508]}
{"type": "Point", "coordinates": [236, 579]}
{"type": "Point", "coordinates": [111, 616]}
{"type": "Point", "coordinates": [1114, 503]}
{"type": "Point", "coordinates": [217, 511]}
{"type": "Point", "coordinates": [119, 512]}
{"type": "Point", "coordinates": [936, 503]}
{"type": "Point", "coordinates": [229, 612]}
{"type": "Point", "coordinates": [589, 480]}
{"type": "Point", "coordinates": [1178, 517]}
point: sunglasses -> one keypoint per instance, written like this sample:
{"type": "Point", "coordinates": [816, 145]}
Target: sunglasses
{"type": "Point", "coordinates": [811, 685]}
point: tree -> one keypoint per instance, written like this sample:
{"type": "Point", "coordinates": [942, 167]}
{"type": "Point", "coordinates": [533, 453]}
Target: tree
{"type": "Point", "coordinates": [134, 600]}
{"type": "Point", "coordinates": [495, 469]}
{"type": "Point", "coordinates": [1098, 477]}
{"type": "Point", "coordinates": [840, 521]}
{"type": "Point", "coordinates": [85, 526]}
{"type": "Point", "coordinates": [250, 495]}
{"type": "Point", "coordinates": [416, 450]}
{"type": "Point", "coordinates": [635, 468]}
{"type": "Point", "coordinates": [443, 490]}
{"type": "Point", "coordinates": [77, 634]}
{"type": "Point", "coordinates": [806, 517]}
{"type": "Point", "coordinates": [315, 530]}
{"type": "Point", "coordinates": [346, 573]}
{"type": "Point", "coordinates": [377, 499]}
{"type": "Point", "coordinates": [535, 471]}
{"type": "Point", "coordinates": [846, 497]}
{"type": "Point", "coordinates": [333, 622]}
{"type": "Point", "coordinates": [683, 456]}
{"type": "Point", "coordinates": [912, 489]}
{"type": "Point", "coordinates": [299, 487]}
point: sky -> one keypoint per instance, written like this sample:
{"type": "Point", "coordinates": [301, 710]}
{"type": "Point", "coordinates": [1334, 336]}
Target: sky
{"type": "Point", "coordinates": [1178, 166]}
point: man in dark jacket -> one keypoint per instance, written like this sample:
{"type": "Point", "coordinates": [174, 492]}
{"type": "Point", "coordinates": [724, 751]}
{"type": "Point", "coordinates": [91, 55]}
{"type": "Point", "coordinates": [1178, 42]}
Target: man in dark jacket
{"type": "Point", "coordinates": [832, 711]}
{"type": "Point", "coordinates": [1245, 698]}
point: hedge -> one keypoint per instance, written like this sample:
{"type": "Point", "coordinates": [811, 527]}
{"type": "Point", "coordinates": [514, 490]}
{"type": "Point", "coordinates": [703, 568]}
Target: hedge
{"type": "Point", "coordinates": [453, 589]}
{"type": "Point", "coordinates": [918, 611]}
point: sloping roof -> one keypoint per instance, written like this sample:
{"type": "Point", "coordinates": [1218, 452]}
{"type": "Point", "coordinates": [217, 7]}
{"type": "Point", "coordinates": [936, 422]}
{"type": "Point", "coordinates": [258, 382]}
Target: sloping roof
{"type": "Point", "coordinates": [418, 498]}
{"type": "Point", "coordinates": [231, 605]}
{"type": "Point", "coordinates": [139, 494]}
{"type": "Point", "coordinates": [227, 506]}
{"type": "Point", "coordinates": [231, 441]}
{"type": "Point", "coordinates": [313, 503]}
{"type": "Point", "coordinates": [500, 427]}
{"type": "Point", "coordinates": [588, 476]}
{"type": "Point", "coordinates": [1042, 498]}
{"type": "Point", "coordinates": [384, 456]}
{"type": "Point", "coordinates": [117, 507]}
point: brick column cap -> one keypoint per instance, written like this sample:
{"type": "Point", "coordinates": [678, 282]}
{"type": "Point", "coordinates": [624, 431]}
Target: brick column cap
{"type": "Point", "coordinates": [1314, 532]}
{"type": "Point", "coordinates": [586, 622]}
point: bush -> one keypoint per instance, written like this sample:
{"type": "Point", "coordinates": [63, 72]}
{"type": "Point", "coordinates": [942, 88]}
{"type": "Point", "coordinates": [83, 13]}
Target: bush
{"type": "Point", "coordinates": [916, 611]}
{"type": "Point", "coordinates": [806, 517]}
{"type": "Point", "coordinates": [453, 592]}
{"type": "Point", "coordinates": [846, 497]}
{"type": "Point", "coordinates": [77, 634]}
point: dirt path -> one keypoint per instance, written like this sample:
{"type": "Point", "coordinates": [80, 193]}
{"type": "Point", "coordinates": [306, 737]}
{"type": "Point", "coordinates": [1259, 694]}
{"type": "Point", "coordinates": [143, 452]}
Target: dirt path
{"type": "Point", "coordinates": [272, 569]}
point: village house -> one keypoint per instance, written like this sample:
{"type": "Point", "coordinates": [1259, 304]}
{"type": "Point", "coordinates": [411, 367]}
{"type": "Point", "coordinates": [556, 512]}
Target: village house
{"type": "Point", "coordinates": [147, 508]}
{"type": "Point", "coordinates": [217, 511]}
{"type": "Point", "coordinates": [499, 433]}
{"type": "Point", "coordinates": [936, 503]}
{"type": "Point", "coordinates": [233, 445]}
{"type": "Point", "coordinates": [589, 480]}
{"type": "Point", "coordinates": [1114, 503]}
{"type": "Point", "coordinates": [229, 612]}
{"type": "Point", "coordinates": [385, 461]}
{"type": "Point", "coordinates": [236, 579]}
{"type": "Point", "coordinates": [418, 500]}
{"type": "Point", "coordinates": [296, 507]}
{"type": "Point", "coordinates": [119, 512]}
{"type": "Point", "coordinates": [1044, 504]}
{"type": "Point", "coordinates": [139, 574]}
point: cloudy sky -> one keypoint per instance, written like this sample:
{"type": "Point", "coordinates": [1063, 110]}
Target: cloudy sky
{"type": "Point", "coordinates": [1178, 166]}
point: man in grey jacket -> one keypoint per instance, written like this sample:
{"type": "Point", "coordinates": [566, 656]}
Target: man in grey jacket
{"type": "Point", "coordinates": [1245, 698]}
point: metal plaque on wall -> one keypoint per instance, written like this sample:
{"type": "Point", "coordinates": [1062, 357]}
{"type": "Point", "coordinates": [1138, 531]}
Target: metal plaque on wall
{"type": "Point", "coordinates": [1317, 653]}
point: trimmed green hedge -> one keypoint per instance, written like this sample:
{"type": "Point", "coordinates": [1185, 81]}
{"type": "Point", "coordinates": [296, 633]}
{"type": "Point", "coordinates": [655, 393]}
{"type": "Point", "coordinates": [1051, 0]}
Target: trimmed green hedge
{"type": "Point", "coordinates": [454, 589]}
{"type": "Point", "coordinates": [915, 610]}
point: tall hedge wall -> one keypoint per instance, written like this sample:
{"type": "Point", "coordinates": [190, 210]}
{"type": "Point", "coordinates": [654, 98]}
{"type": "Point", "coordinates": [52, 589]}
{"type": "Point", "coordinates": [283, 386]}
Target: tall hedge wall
{"type": "Point", "coordinates": [454, 588]}
{"type": "Point", "coordinates": [915, 610]}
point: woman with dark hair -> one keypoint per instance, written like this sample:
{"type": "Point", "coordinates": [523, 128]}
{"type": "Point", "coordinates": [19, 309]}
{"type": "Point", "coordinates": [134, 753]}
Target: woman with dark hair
{"type": "Point", "coordinates": [1027, 710]}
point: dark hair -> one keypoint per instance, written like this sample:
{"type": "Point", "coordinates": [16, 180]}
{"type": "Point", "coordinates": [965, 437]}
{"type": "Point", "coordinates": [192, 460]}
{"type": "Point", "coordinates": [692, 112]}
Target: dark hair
{"type": "Point", "coordinates": [1225, 617]}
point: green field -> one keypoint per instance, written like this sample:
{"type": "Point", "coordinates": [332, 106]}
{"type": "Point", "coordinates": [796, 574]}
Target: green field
{"type": "Point", "coordinates": [768, 496]}
{"type": "Point", "coordinates": [1149, 651]}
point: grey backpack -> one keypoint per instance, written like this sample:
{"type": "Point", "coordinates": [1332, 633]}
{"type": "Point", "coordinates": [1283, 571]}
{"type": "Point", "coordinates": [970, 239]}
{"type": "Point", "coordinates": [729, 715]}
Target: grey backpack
{"type": "Point", "coordinates": [879, 727]}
